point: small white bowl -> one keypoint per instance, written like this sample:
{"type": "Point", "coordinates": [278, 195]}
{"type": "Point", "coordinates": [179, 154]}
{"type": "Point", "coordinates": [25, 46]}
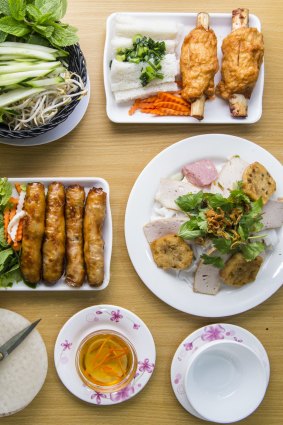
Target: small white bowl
{"type": "Point", "coordinates": [225, 381]}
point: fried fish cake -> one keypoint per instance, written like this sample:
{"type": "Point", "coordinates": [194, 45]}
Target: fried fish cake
{"type": "Point", "coordinates": [257, 182]}
{"type": "Point", "coordinates": [238, 271]}
{"type": "Point", "coordinates": [171, 252]}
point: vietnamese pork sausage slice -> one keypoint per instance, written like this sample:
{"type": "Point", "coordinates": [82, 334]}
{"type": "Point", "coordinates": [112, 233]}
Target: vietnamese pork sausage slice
{"type": "Point", "coordinates": [93, 241]}
{"type": "Point", "coordinates": [75, 269]}
{"type": "Point", "coordinates": [54, 236]}
{"type": "Point", "coordinates": [164, 226]}
{"type": "Point", "coordinates": [200, 173]}
{"type": "Point", "coordinates": [33, 231]}
{"type": "Point", "coordinates": [272, 216]}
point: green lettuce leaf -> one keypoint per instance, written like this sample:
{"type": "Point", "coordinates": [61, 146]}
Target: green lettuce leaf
{"type": "Point", "coordinates": [5, 192]}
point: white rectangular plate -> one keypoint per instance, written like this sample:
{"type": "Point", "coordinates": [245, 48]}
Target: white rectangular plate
{"type": "Point", "coordinates": [216, 110]}
{"type": "Point", "coordinates": [87, 183]}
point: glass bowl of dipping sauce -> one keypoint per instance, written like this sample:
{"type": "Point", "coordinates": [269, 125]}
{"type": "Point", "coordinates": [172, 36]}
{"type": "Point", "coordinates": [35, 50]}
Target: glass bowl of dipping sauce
{"type": "Point", "coordinates": [106, 361]}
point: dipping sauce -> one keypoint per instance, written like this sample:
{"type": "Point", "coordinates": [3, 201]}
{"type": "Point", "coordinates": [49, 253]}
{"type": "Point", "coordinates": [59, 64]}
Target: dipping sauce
{"type": "Point", "coordinates": [106, 360]}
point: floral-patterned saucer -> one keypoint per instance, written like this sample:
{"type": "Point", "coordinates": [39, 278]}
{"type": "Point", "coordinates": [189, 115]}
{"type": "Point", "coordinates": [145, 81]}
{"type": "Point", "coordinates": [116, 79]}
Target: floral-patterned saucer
{"type": "Point", "coordinates": [106, 317]}
{"type": "Point", "coordinates": [204, 336]}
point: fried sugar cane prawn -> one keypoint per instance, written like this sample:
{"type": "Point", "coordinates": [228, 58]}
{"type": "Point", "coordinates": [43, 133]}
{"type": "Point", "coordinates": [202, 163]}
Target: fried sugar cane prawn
{"type": "Point", "coordinates": [75, 269]}
{"type": "Point", "coordinates": [199, 64]}
{"type": "Point", "coordinates": [54, 236]}
{"type": "Point", "coordinates": [243, 51]}
{"type": "Point", "coordinates": [93, 241]}
{"type": "Point", "coordinates": [33, 231]}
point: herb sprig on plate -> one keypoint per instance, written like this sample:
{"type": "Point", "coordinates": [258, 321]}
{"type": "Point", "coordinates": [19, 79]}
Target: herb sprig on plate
{"type": "Point", "coordinates": [36, 22]}
{"type": "Point", "coordinates": [146, 50]}
{"type": "Point", "coordinates": [232, 224]}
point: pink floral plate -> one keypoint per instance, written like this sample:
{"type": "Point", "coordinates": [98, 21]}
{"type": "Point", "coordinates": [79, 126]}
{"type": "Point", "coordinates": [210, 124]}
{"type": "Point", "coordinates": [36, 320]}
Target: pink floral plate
{"type": "Point", "coordinates": [204, 336]}
{"type": "Point", "coordinates": [103, 317]}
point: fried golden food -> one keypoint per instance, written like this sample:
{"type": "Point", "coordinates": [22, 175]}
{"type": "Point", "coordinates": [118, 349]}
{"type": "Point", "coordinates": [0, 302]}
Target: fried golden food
{"type": "Point", "coordinates": [93, 241]}
{"type": "Point", "coordinates": [75, 268]}
{"type": "Point", "coordinates": [257, 182]}
{"type": "Point", "coordinates": [54, 237]}
{"type": "Point", "coordinates": [33, 231]}
{"type": "Point", "coordinates": [238, 271]}
{"type": "Point", "coordinates": [171, 252]}
{"type": "Point", "coordinates": [243, 51]}
{"type": "Point", "coordinates": [198, 63]}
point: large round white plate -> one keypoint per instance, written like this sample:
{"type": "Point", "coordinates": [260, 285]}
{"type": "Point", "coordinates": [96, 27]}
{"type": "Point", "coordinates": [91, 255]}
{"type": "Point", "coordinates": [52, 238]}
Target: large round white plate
{"type": "Point", "coordinates": [177, 293]}
{"type": "Point", "coordinates": [103, 317]}
{"type": "Point", "coordinates": [58, 132]}
{"type": "Point", "coordinates": [204, 336]}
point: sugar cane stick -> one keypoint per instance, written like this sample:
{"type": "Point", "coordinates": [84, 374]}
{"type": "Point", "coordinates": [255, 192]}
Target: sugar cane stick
{"type": "Point", "coordinates": [238, 103]}
{"type": "Point", "coordinates": [197, 107]}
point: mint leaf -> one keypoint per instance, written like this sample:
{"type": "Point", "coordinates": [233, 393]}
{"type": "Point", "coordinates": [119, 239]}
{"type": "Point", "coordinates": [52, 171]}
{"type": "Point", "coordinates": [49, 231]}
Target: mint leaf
{"type": "Point", "coordinates": [3, 36]}
{"type": "Point", "coordinates": [214, 261]}
{"type": "Point", "coordinates": [34, 12]}
{"type": "Point", "coordinates": [37, 39]}
{"type": "Point", "coordinates": [63, 36]}
{"type": "Point", "coordinates": [222, 245]}
{"type": "Point", "coordinates": [17, 9]}
{"type": "Point", "coordinates": [13, 27]}
{"type": "Point", "coordinates": [252, 250]}
{"type": "Point", "coordinates": [190, 202]}
{"type": "Point", "coordinates": [4, 7]}
{"type": "Point", "coordinates": [57, 8]}
{"type": "Point", "coordinates": [46, 31]}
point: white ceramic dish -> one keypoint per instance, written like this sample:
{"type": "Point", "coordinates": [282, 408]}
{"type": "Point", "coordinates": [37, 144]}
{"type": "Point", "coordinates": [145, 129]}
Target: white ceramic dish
{"type": "Point", "coordinates": [60, 131]}
{"type": "Point", "coordinates": [217, 110]}
{"type": "Point", "coordinates": [173, 291]}
{"type": "Point", "coordinates": [87, 183]}
{"type": "Point", "coordinates": [205, 336]}
{"type": "Point", "coordinates": [106, 317]}
{"type": "Point", "coordinates": [225, 381]}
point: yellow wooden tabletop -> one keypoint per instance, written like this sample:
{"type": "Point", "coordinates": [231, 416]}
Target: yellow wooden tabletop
{"type": "Point", "coordinates": [118, 153]}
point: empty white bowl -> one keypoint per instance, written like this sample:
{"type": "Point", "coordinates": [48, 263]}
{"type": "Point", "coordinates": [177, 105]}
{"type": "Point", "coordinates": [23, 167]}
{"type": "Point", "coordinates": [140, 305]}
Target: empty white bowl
{"type": "Point", "coordinates": [225, 381]}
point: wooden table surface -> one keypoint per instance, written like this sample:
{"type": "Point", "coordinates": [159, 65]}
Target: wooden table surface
{"type": "Point", "coordinates": [118, 153]}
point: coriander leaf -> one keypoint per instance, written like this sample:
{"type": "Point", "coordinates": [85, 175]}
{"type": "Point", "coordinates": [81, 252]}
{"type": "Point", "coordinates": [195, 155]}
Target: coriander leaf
{"type": "Point", "coordinates": [13, 27]}
{"type": "Point", "coordinates": [215, 261]}
{"type": "Point", "coordinates": [217, 201]}
{"type": "Point", "coordinates": [5, 192]}
{"type": "Point", "coordinates": [17, 9]}
{"type": "Point", "coordinates": [190, 202]}
{"type": "Point", "coordinates": [4, 7]}
{"type": "Point", "coordinates": [62, 37]}
{"type": "Point", "coordinates": [243, 232]}
{"type": "Point", "coordinates": [238, 196]}
{"type": "Point", "coordinates": [252, 250]}
{"type": "Point", "coordinates": [222, 245]}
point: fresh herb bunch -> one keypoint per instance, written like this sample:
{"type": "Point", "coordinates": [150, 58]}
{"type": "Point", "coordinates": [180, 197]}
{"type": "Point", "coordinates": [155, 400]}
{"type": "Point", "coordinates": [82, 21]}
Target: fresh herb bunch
{"type": "Point", "coordinates": [36, 22]}
{"type": "Point", "coordinates": [9, 259]}
{"type": "Point", "coordinates": [145, 50]}
{"type": "Point", "coordinates": [231, 223]}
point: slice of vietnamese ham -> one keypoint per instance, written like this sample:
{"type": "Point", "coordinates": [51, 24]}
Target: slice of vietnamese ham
{"type": "Point", "coordinates": [207, 280]}
{"type": "Point", "coordinates": [230, 174]}
{"type": "Point", "coordinates": [162, 227]}
{"type": "Point", "coordinates": [169, 190]}
{"type": "Point", "coordinates": [23, 372]}
{"type": "Point", "coordinates": [272, 216]}
{"type": "Point", "coordinates": [200, 173]}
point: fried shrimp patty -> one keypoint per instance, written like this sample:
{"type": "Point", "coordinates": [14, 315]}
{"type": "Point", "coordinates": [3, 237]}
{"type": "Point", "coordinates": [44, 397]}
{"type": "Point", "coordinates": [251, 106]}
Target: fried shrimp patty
{"type": "Point", "coordinates": [238, 271]}
{"type": "Point", "coordinates": [171, 252]}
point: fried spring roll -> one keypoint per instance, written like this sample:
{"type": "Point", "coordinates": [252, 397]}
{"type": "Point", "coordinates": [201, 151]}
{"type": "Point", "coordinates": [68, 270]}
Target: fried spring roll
{"type": "Point", "coordinates": [75, 269]}
{"type": "Point", "coordinates": [54, 236]}
{"type": "Point", "coordinates": [33, 231]}
{"type": "Point", "coordinates": [93, 240]}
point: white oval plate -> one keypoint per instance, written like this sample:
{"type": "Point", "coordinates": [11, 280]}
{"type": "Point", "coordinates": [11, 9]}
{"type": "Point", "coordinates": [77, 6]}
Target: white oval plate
{"type": "Point", "coordinates": [173, 291]}
{"type": "Point", "coordinates": [58, 132]}
{"type": "Point", "coordinates": [202, 337]}
{"type": "Point", "coordinates": [103, 317]}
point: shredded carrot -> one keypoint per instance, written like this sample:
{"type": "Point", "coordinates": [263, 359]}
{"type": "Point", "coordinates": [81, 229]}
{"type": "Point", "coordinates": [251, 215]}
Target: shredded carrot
{"type": "Point", "coordinates": [162, 104]}
{"type": "Point", "coordinates": [19, 236]}
{"type": "Point", "coordinates": [6, 221]}
{"type": "Point", "coordinates": [13, 201]}
{"type": "Point", "coordinates": [18, 187]}
{"type": "Point", "coordinates": [11, 215]}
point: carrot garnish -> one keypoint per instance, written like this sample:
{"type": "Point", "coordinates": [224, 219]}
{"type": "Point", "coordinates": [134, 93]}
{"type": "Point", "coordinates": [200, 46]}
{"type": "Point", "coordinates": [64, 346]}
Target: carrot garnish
{"type": "Point", "coordinates": [18, 187]}
{"type": "Point", "coordinates": [6, 221]}
{"type": "Point", "coordinates": [162, 104]}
